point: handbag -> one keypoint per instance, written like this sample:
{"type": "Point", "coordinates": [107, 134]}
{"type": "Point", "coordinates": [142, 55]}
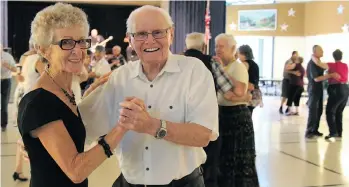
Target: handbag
{"type": "Point", "coordinates": [257, 98]}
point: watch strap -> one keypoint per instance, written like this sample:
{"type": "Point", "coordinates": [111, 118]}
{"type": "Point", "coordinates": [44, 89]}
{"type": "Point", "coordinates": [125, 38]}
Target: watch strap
{"type": "Point", "coordinates": [161, 129]}
{"type": "Point", "coordinates": [163, 124]}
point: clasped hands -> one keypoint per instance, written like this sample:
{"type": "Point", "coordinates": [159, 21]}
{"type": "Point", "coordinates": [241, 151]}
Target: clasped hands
{"type": "Point", "coordinates": [134, 116]}
{"type": "Point", "coordinates": [133, 113]}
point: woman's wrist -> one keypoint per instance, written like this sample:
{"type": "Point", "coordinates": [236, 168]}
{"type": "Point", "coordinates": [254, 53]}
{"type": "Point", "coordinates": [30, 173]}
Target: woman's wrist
{"type": "Point", "coordinates": [115, 135]}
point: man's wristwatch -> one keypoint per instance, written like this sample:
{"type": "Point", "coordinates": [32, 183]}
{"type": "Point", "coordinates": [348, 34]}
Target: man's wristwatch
{"type": "Point", "coordinates": [162, 131]}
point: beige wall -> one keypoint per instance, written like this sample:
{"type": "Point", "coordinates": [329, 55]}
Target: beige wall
{"type": "Point", "coordinates": [322, 17]}
{"type": "Point", "coordinates": [311, 18]}
{"type": "Point", "coordinates": [165, 4]}
{"type": "Point", "coordinates": [296, 24]}
{"type": "Point", "coordinates": [109, 2]}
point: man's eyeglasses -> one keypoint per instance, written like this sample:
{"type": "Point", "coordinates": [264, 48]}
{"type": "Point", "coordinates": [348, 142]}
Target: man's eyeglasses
{"type": "Point", "coordinates": [68, 44]}
{"type": "Point", "coordinates": [157, 34]}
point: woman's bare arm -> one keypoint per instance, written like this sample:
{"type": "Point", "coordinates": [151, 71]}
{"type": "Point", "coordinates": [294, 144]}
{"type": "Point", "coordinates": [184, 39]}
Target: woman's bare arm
{"type": "Point", "coordinates": [77, 166]}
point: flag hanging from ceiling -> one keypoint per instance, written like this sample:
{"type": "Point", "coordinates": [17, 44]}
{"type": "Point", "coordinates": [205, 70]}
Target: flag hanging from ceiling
{"type": "Point", "coordinates": [207, 23]}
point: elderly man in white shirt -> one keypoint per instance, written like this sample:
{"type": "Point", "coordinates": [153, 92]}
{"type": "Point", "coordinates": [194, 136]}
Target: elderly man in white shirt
{"type": "Point", "coordinates": [8, 65]}
{"type": "Point", "coordinates": [165, 103]}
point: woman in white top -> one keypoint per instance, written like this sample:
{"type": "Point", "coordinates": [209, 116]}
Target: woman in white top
{"type": "Point", "coordinates": [30, 70]}
{"type": "Point", "coordinates": [237, 155]}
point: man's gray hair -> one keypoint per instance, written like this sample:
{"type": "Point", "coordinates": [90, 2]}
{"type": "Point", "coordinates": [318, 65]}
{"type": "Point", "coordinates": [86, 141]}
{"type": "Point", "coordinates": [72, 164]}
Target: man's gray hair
{"type": "Point", "coordinates": [228, 37]}
{"type": "Point", "coordinates": [195, 40]}
{"type": "Point", "coordinates": [117, 46]}
{"type": "Point", "coordinates": [131, 19]}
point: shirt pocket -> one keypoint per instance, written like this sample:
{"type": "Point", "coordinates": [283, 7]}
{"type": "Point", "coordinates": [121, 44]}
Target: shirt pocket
{"type": "Point", "coordinates": [172, 111]}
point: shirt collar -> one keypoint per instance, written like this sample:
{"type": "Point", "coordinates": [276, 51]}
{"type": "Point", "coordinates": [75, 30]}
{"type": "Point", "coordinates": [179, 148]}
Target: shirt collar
{"type": "Point", "coordinates": [171, 66]}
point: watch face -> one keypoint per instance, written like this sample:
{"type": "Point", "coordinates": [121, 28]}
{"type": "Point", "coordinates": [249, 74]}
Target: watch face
{"type": "Point", "coordinates": [162, 133]}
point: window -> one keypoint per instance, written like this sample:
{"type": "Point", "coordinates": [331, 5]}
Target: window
{"type": "Point", "coordinates": [262, 47]}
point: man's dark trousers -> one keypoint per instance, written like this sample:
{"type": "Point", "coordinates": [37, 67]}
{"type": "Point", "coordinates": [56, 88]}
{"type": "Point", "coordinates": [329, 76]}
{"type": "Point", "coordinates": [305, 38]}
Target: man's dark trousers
{"type": "Point", "coordinates": [315, 104]}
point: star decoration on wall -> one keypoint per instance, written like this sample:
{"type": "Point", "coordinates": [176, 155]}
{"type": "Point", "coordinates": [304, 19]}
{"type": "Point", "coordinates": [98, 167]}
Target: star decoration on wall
{"type": "Point", "coordinates": [345, 28]}
{"type": "Point", "coordinates": [291, 12]}
{"type": "Point", "coordinates": [340, 9]}
{"type": "Point", "coordinates": [284, 27]}
{"type": "Point", "coordinates": [232, 26]}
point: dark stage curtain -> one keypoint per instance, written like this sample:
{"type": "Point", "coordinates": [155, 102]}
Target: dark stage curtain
{"type": "Point", "coordinates": [109, 20]}
{"type": "Point", "coordinates": [218, 21]}
{"type": "Point", "coordinates": [188, 16]}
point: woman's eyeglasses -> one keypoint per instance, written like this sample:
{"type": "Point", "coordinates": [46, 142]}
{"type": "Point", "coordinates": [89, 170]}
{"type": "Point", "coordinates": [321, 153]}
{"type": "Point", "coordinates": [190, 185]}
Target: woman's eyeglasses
{"type": "Point", "coordinates": [68, 44]}
{"type": "Point", "coordinates": [157, 34]}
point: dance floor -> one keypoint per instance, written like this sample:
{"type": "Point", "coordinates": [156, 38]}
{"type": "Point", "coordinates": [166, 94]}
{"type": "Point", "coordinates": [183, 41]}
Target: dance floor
{"type": "Point", "coordinates": [284, 157]}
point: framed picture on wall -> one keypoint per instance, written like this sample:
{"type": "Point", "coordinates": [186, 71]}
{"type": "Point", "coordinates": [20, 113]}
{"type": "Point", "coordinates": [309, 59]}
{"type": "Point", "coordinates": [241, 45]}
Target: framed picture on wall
{"type": "Point", "coordinates": [257, 20]}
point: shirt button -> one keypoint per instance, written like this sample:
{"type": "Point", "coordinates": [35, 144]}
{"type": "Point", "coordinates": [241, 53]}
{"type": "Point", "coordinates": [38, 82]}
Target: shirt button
{"type": "Point", "coordinates": [146, 148]}
{"type": "Point", "coordinates": [149, 106]}
{"type": "Point", "coordinates": [151, 86]}
{"type": "Point", "coordinates": [147, 169]}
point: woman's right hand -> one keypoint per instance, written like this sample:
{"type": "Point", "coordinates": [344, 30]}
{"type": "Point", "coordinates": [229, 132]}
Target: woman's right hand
{"type": "Point", "coordinates": [100, 81]}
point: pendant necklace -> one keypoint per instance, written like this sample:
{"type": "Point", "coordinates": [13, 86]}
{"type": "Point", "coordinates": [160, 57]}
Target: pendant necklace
{"type": "Point", "coordinates": [70, 97]}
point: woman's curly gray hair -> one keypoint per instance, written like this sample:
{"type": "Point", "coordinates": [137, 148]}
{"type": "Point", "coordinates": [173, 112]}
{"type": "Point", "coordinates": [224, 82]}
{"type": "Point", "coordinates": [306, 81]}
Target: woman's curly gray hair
{"type": "Point", "coordinates": [57, 16]}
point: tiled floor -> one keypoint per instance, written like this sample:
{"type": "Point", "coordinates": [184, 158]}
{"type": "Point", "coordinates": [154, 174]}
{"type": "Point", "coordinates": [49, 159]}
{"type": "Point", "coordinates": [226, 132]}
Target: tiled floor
{"type": "Point", "coordinates": [284, 157]}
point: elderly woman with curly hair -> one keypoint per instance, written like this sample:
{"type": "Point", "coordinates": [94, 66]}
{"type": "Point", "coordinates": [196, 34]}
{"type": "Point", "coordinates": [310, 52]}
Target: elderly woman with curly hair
{"type": "Point", "coordinates": [245, 55]}
{"type": "Point", "coordinates": [48, 118]}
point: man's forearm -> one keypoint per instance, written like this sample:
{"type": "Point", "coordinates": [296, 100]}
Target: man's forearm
{"type": "Point", "coordinates": [234, 98]}
{"type": "Point", "coordinates": [11, 68]}
{"type": "Point", "coordinates": [322, 65]}
{"type": "Point", "coordinates": [188, 134]}
{"type": "Point", "coordinates": [240, 99]}
{"type": "Point", "coordinates": [239, 87]}
{"type": "Point", "coordinates": [322, 78]}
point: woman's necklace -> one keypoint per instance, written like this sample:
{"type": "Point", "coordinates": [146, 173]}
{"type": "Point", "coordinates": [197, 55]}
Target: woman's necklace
{"type": "Point", "coordinates": [70, 97]}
